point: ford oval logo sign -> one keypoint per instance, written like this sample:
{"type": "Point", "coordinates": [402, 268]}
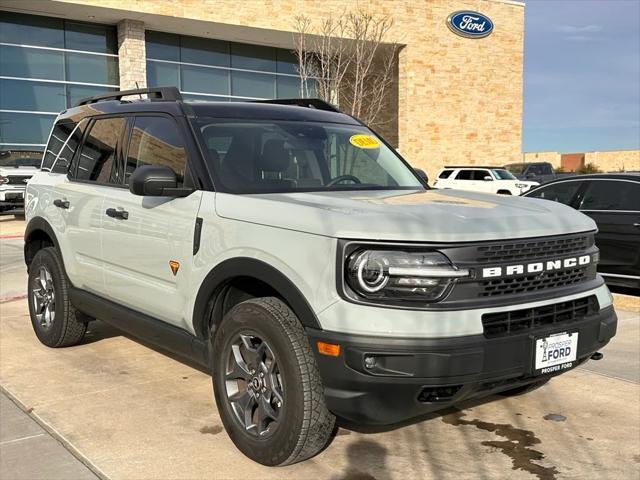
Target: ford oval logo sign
{"type": "Point", "coordinates": [470, 24]}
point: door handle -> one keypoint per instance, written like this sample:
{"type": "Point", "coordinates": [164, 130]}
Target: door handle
{"type": "Point", "coordinates": [113, 213]}
{"type": "Point", "coordinates": [637, 225]}
{"type": "Point", "coordinates": [61, 203]}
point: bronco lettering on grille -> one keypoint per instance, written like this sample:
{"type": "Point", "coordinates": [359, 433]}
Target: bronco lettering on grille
{"type": "Point", "coordinates": [536, 267]}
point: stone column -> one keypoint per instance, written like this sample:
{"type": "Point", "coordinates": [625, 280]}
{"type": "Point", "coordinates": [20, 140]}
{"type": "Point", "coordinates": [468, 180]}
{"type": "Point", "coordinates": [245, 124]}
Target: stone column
{"type": "Point", "coordinates": [132, 53]}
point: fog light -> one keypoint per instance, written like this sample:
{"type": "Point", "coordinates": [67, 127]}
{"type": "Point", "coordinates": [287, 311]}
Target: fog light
{"type": "Point", "coordinates": [369, 362]}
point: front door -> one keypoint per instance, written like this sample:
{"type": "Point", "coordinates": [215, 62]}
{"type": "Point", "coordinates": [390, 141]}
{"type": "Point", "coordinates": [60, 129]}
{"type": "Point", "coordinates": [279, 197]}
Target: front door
{"type": "Point", "coordinates": [148, 241]}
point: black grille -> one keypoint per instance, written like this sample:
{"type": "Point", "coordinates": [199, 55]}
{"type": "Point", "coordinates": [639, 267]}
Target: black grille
{"type": "Point", "coordinates": [17, 179]}
{"type": "Point", "coordinates": [533, 249]}
{"type": "Point", "coordinates": [532, 283]}
{"type": "Point", "coordinates": [518, 321]}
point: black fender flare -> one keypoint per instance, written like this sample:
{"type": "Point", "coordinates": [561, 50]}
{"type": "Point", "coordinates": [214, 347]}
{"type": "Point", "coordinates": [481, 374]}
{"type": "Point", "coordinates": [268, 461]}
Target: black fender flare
{"type": "Point", "coordinates": [34, 225]}
{"type": "Point", "coordinates": [250, 267]}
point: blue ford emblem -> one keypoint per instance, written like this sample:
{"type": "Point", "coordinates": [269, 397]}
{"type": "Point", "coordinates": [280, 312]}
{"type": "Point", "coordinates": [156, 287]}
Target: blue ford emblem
{"type": "Point", "coordinates": [470, 24]}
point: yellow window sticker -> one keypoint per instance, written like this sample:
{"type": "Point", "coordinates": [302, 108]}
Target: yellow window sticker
{"type": "Point", "coordinates": [364, 141]}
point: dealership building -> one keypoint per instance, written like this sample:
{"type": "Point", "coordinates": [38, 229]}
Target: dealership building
{"type": "Point", "coordinates": [454, 98]}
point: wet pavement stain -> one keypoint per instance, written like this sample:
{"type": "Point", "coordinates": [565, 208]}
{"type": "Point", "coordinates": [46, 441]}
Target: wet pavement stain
{"type": "Point", "coordinates": [214, 430]}
{"type": "Point", "coordinates": [555, 417]}
{"type": "Point", "coordinates": [517, 446]}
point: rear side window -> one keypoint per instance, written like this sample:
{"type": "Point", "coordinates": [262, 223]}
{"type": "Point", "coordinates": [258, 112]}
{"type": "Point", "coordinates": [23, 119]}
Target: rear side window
{"type": "Point", "coordinates": [465, 175]}
{"type": "Point", "coordinates": [156, 141]}
{"type": "Point", "coordinates": [58, 138]}
{"type": "Point", "coordinates": [611, 195]}
{"type": "Point", "coordinates": [546, 169]}
{"type": "Point", "coordinates": [445, 174]}
{"type": "Point", "coordinates": [68, 150]}
{"type": "Point", "coordinates": [98, 160]}
{"type": "Point", "coordinates": [561, 192]}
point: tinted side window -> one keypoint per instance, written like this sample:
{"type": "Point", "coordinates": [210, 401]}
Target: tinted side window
{"type": "Point", "coordinates": [547, 170]}
{"type": "Point", "coordinates": [561, 192]}
{"type": "Point", "coordinates": [98, 160]}
{"type": "Point", "coordinates": [465, 175]}
{"type": "Point", "coordinates": [66, 155]}
{"type": "Point", "coordinates": [156, 141]}
{"type": "Point", "coordinates": [611, 195]}
{"type": "Point", "coordinates": [480, 174]}
{"type": "Point", "coordinates": [535, 170]}
{"type": "Point", "coordinates": [445, 174]}
{"type": "Point", "coordinates": [59, 135]}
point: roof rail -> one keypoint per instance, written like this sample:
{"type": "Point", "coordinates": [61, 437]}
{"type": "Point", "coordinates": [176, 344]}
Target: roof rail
{"type": "Point", "coordinates": [155, 94]}
{"type": "Point", "coordinates": [303, 102]}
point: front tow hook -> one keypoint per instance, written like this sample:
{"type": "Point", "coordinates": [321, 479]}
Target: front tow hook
{"type": "Point", "coordinates": [597, 356]}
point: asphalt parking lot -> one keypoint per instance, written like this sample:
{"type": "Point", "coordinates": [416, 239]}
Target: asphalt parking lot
{"type": "Point", "coordinates": [115, 408]}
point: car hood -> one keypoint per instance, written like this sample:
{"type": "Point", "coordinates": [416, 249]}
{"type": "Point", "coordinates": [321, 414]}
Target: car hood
{"type": "Point", "coordinates": [426, 216]}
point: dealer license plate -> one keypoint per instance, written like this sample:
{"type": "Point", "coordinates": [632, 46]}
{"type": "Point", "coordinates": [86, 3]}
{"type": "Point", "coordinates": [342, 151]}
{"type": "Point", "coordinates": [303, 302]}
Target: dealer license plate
{"type": "Point", "coordinates": [556, 352]}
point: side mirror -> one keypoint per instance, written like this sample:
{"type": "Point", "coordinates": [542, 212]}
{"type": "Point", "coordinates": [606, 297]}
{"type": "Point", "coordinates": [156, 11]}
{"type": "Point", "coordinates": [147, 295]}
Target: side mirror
{"type": "Point", "coordinates": [156, 181]}
{"type": "Point", "coordinates": [488, 178]}
{"type": "Point", "coordinates": [422, 175]}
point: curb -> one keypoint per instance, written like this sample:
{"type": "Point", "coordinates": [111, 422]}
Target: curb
{"type": "Point", "coordinates": [55, 434]}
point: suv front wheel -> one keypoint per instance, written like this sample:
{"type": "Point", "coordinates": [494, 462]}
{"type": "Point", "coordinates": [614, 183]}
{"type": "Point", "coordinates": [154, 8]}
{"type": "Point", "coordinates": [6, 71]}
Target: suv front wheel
{"type": "Point", "coordinates": [54, 319]}
{"type": "Point", "coordinates": [267, 386]}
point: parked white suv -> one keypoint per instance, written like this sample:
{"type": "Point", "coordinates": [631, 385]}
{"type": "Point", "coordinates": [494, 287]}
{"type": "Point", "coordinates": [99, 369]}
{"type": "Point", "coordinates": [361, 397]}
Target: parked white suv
{"type": "Point", "coordinates": [287, 248]}
{"type": "Point", "coordinates": [482, 179]}
{"type": "Point", "coordinates": [16, 168]}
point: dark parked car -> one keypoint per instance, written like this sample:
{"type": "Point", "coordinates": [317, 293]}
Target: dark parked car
{"type": "Point", "coordinates": [541, 172]}
{"type": "Point", "coordinates": [612, 200]}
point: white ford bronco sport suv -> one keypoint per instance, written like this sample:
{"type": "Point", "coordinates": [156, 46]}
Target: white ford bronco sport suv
{"type": "Point", "coordinates": [288, 248]}
{"type": "Point", "coordinates": [482, 179]}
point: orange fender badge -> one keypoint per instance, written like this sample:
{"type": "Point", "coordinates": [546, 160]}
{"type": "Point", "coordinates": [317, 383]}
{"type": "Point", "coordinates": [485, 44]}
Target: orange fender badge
{"type": "Point", "coordinates": [174, 267]}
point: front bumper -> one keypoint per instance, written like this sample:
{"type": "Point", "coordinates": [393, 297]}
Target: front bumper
{"type": "Point", "coordinates": [413, 377]}
{"type": "Point", "coordinates": [12, 197]}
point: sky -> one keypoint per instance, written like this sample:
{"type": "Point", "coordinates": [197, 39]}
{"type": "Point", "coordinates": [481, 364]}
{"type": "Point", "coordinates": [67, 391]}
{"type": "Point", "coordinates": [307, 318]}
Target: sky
{"type": "Point", "coordinates": [581, 75]}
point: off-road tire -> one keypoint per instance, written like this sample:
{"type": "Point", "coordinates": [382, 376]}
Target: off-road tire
{"type": "Point", "coordinates": [523, 389]}
{"type": "Point", "coordinates": [66, 329]}
{"type": "Point", "coordinates": [306, 427]}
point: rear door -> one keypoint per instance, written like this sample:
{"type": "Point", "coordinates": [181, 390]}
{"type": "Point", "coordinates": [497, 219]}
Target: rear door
{"type": "Point", "coordinates": [79, 198]}
{"type": "Point", "coordinates": [148, 252]}
{"type": "Point", "coordinates": [614, 205]}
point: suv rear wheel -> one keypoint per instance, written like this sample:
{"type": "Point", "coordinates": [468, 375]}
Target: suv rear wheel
{"type": "Point", "coordinates": [267, 386]}
{"type": "Point", "coordinates": [53, 316]}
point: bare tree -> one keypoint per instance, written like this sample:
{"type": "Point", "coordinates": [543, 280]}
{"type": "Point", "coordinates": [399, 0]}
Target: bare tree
{"type": "Point", "coordinates": [350, 60]}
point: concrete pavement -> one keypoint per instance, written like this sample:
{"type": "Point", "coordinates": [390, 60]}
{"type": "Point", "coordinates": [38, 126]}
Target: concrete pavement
{"type": "Point", "coordinates": [28, 451]}
{"type": "Point", "coordinates": [136, 413]}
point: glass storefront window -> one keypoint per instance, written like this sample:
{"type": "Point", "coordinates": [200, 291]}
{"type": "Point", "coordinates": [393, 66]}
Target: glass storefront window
{"type": "Point", "coordinates": [211, 70]}
{"type": "Point", "coordinates": [49, 64]}
{"type": "Point", "coordinates": [31, 96]}
{"type": "Point", "coordinates": [25, 128]}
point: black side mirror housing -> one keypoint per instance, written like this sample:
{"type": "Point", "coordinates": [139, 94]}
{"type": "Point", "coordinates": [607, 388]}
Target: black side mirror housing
{"type": "Point", "coordinates": [422, 175]}
{"type": "Point", "coordinates": [156, 181]}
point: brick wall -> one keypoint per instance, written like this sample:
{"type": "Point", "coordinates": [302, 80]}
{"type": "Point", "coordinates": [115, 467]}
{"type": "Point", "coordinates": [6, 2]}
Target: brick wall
{"type": "Point", "coordinates": [615, 161]}
{"type": "Point", "coordinates": [459, 100]}
{"type": "Point", "coordinates": [554, 158]}
{"type": "Point", "coordinates": [132, 54]}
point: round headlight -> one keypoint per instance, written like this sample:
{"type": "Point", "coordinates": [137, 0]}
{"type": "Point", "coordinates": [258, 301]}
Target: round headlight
{"type": "Point", "coordinates": [400, 275]}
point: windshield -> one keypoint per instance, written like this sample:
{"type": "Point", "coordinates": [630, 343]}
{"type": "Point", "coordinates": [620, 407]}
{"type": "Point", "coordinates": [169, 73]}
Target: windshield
{"type": "Point", "coordinates": [502, 174]}
{"type": "Point", "coordinates": [280, 156]}
{"type": "Point", "coordinates": [515, 167]}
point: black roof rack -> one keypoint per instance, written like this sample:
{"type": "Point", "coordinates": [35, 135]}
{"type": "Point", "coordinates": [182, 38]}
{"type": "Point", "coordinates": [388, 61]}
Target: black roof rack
{"type": "Point", "coordinates": [155, 94]}
{"type": "Point", "coordinates": [303, 102]}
